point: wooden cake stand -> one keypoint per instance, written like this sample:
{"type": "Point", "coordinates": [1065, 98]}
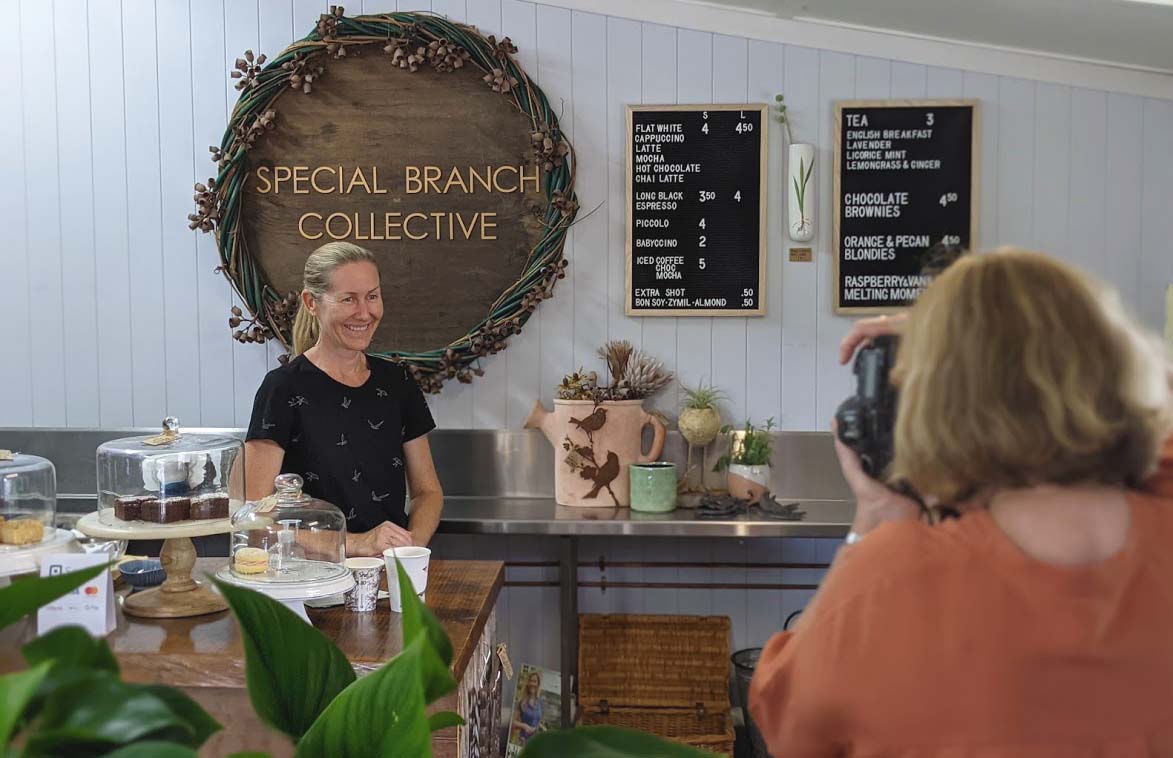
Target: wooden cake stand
{"type": "Point", "coordinates": [179, 596]}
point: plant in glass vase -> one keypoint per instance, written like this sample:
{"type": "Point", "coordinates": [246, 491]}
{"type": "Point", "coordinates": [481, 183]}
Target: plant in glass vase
{"type": "Point", "coordinates": [747, 463]}
{"type": "Point", "coordinates": [699, 423]}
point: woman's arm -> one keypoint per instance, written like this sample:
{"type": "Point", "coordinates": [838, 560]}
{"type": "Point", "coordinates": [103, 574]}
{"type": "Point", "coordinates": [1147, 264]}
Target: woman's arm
{"type": "Point", "coordinates": [427, 496]}
{"type": "Point", "coordinates": [262, 460]}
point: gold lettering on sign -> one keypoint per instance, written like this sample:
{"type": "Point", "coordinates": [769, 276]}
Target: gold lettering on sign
{"type": "Point", "coordinates": [301, 225]}
{"type": "Point", "coordinates": [407, 221]}
{"type": "Point", "coordinates": [395, 225]}
{"type": "Point", "coordinates": [314, 180]}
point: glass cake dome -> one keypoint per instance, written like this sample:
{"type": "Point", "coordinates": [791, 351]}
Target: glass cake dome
{"type": "Point", "coordinates": [170, 478]}
{"type": "Point", "coordinates": [289, 538]}
{"type": "Point", "coordinates": [28, 501]}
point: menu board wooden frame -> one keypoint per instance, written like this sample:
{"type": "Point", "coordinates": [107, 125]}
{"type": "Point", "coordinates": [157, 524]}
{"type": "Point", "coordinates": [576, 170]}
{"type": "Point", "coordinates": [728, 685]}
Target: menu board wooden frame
{"type": "Point", "coordinates": [837, 199]}
{"type": "Point", "coordinates": [763, 207]}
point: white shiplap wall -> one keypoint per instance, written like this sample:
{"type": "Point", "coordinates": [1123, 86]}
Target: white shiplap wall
{"type": "Point", "coordinates": [112, 313]}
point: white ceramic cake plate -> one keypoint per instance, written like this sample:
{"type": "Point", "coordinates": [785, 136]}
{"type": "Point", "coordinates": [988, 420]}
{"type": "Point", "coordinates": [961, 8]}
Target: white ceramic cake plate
{"type": "Point", "coordinates": [26, 559]}
{"type": "Point", "coordinates": [292, 594]}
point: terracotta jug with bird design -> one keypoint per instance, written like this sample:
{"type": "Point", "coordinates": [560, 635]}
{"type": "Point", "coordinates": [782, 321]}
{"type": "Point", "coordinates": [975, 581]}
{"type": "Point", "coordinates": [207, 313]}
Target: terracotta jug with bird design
{"type": "Point", "coordinates": [594, 443]}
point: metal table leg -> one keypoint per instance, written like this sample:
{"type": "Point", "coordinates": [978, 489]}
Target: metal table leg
{"type": "Point", "coordinates": [568, 608]}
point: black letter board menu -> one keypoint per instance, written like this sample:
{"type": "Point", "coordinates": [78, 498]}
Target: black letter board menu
{"type": "Point", "coordinates": [696, 210]}
{"type": "Point", "coordinates": [905, 179]}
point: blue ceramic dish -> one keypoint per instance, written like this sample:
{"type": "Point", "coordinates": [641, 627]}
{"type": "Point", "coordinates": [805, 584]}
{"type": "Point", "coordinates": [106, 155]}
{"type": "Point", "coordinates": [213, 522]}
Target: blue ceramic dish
{"type": "Point", "coordinates": [143, 573]}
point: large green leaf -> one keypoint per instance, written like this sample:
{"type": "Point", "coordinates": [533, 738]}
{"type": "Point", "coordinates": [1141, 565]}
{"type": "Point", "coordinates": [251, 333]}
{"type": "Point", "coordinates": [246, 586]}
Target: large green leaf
{"type": "Point", "coordinates": [380, 714]}
{"type": "Point", "coordinates": [90, 715]}
{"type": "Point", "coordinates": [71, 647]}
{"type": "Point", "coordinates": [444, 719]}
{"type": "Point", "coordinates": [73, 655]}
{"type": "Point", "coordinates": [153, 749]}
{"type": "Point", "coordinates": [417, 618]}
{"type": "Point", "coordinates": [201, 724]}
{"type": "Point", "coordinates": [16, 690]}
{"type": "Point", "coordinates": [293, 671]}
{"type": "Point", "coordinates": [24, 596]}
{"type": "Point", "coordinates": [419, 622]}
{"type": "Point", "coordinates": [606, 742]}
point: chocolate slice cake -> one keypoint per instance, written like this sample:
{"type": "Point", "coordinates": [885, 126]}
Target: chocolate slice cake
{"type": "Point", "coordinates": [130, 507]}
{"type": "Point", "coordinates": [214, 505]}
{"type": "Point", "coordinates": [167, 510]}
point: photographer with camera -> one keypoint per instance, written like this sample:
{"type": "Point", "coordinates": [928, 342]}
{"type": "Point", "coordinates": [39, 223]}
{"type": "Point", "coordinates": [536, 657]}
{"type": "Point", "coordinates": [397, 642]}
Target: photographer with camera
{"type": "Point", "coordinates": [1038, 622]}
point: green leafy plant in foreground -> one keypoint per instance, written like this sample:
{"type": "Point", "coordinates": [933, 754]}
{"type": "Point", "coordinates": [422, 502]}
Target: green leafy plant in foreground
{"type": "Point", "coordinates": [71, 700]}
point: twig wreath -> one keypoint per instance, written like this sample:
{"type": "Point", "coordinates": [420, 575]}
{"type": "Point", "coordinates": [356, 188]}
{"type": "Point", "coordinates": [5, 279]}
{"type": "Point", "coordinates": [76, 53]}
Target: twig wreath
{"type": "Point", "coordinates": [411, 41]}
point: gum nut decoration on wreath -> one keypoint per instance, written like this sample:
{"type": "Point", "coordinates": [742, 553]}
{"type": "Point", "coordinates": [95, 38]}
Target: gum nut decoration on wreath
{"type": "Point", "coordinates": [597, 430]}
{"type": "Point", "coordinates": [410, 42]}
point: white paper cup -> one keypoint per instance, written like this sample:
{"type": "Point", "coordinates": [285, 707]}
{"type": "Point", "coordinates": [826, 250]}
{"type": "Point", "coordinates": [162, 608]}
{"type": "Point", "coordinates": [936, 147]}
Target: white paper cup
{"type": "Point", "coordinates": [366, 583]}
{"type": "Point", "coordinates": [415, 562]}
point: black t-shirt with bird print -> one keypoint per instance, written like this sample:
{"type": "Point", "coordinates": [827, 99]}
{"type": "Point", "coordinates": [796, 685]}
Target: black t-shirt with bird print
{"type": "Point", "coordinates": [346, 443]}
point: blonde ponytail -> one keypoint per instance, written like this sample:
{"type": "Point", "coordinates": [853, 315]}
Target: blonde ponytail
{"type": "Point", "coordinates": [305, 330]}
{"type": "Point", "coordinates": [319, 268]}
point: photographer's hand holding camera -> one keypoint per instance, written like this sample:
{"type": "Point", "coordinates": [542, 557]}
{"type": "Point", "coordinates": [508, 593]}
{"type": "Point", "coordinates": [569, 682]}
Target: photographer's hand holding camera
{"type": "Point", "coordinates": [1038, 622]}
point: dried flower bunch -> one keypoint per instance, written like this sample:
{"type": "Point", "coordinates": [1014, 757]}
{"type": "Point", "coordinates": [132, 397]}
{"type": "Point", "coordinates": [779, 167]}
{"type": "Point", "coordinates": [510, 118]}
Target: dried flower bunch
{"type": "Point", "coordinates": [303, 71]}
{"type": "Point", "coordinates": [246, 330]}
{"type": "Point", "coordinates": [207, 202]}
{"type": "Point", "coordinates": [247, 69]}
{"type": "Point", "coordinates": [328, 31]}
{"type": "Point", "coordinates": [549, 147]}
{"type": "Point", "coordinates": [405, 54]}
{"type": "Point", "coordinates": [264, 122]}
{"type": "Point", "coordinates": [499, 80]}
{"type": "Point", "coordinates": [503, 49]}
{"type": "Point", "coordinates": [445, 56]}
{"type": "Point", "coordinates": [635, 375]}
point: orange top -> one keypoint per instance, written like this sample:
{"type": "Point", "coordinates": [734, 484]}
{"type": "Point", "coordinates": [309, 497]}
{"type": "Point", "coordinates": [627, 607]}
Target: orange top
{"type": "Point", "coordinates": [949, 642]}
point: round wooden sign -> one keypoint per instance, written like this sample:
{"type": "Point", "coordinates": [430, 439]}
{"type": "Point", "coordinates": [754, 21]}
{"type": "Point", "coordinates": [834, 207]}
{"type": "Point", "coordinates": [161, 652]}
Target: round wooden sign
{"type": "Point", "coordinates": [418, 139]}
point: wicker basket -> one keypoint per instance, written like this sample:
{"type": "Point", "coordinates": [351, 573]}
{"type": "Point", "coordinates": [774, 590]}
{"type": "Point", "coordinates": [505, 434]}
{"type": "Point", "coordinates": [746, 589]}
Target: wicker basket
{"type": "Point", "coordinates": [667, 675]}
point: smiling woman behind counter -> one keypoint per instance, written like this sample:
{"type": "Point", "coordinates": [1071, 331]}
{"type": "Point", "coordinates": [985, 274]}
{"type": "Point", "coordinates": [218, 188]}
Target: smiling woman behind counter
{"type": "Point", "coordinates": [353, 427]}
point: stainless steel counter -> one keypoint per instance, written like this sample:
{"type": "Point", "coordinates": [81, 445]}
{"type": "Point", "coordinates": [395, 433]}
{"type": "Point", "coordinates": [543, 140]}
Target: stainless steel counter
{"type": "Point", "coordinates": [501, 482]}
{"type": "Point", "coordinates": [542, 516]}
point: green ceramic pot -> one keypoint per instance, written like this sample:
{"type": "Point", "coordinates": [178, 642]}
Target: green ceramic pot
{"type": "Point", "coordinates": [653, 486]}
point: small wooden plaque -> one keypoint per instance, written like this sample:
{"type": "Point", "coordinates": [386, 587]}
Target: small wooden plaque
{"type": "Point", "coordinates": [801, 255]}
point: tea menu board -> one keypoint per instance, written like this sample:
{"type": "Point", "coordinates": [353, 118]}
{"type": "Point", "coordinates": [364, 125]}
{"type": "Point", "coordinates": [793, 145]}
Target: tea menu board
{"type": "Point", "coordinates": [696, 210]}
{"type": "Point", "coordinates": [905, 180]}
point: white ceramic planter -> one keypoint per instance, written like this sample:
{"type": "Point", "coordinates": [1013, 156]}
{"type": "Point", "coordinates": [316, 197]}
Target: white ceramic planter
{"type": "Point", "coordinates": [800, 190]}
{"type": "Point", "coordinates": [748, 482]}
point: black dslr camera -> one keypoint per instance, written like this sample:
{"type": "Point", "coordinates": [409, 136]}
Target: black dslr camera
{"type": "Point", "coordinates": [865, 421]}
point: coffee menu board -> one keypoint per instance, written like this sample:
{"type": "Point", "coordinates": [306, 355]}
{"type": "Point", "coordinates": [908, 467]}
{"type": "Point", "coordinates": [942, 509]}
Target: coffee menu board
{"type": "Point", "coordinates": [696, 210]}
{"type": "Point", "coordinates": [905, 180]}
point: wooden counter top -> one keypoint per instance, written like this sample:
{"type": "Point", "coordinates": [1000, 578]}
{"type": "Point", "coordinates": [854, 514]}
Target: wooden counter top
{"type": "Point", "coordinates": [205, 651]}
{"type": "Point", "coordinates": [203, 654]}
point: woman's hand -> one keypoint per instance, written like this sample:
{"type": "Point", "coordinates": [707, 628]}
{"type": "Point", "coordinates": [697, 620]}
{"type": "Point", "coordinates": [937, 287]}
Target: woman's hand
{"type": "Point", "coordinates": [867, 329]}
{"type": "Point", "coordinates": [874, 502]}
{"type": "Point", "coordinates": [374, 542]}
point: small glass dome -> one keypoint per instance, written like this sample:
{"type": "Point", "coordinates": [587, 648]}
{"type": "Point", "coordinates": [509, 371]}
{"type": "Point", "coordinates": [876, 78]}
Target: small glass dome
{"type": "Point", "coordinates": [28, 501]}
{"type": "Point", "coordinates": [170, 478]}
{"type": "Point", "coordinates": [288, 538]}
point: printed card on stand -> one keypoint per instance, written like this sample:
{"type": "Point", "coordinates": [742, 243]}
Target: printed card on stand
{"type": "Point", "coordinates": [90, 606]}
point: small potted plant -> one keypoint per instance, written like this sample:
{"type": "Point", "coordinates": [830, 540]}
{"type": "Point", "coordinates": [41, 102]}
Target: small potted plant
{"type": "Point", "coordinates": [747, 464]}
{"type": "Point", "coordinates": [700, 419]}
